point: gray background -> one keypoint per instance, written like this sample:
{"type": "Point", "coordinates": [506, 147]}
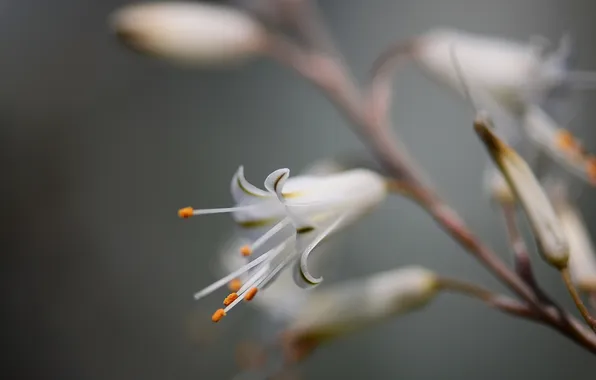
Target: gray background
{"type": "Point", "coordinates": [100, 148]}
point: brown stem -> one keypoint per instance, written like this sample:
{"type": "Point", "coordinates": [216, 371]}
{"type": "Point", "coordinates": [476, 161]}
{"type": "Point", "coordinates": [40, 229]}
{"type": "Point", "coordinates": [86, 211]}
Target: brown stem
{"type": "Point", "coordinates": [510, 306]}
{"type": "Point", "coordinates": [577, 299]}
{"type": "Point", "coordinates": [523, 265]}
{"type": "Point", "coordinates": [371, 121]}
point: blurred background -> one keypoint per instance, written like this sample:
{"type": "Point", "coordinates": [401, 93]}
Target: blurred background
{"type": "Point", "coordinates": [102, 146]}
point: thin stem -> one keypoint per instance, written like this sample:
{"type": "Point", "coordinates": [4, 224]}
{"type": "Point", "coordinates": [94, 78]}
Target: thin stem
{"type": "Point", "coordinates": [370, 118]}
{"type": "Point", "coordinates": [510, 306]}
{"type": "Point", "coordinates": [577, 299]}
{"type": "Point", "coordinates": [329, 75]}
{"type": "Point", "coordinates": [523, 264]}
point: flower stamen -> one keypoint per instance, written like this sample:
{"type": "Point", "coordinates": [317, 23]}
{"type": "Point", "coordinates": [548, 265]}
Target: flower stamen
{"type": "Point", "coordinates": [230, 298]}
{"type": "Point", "coordinates": [252, 292]}
{"type": "Point", "coordinates": [218, 284]}
{"type": "Point", "coordinates": [218, 315]}
{"type": "Point", "coordinates": [245, 250]}
{"type": "Point", "coordinates": [591, 169]}
{"type": "Point", "coordinates": [565, 141]}
{"type": "Point", "coordinates": [235, 285]}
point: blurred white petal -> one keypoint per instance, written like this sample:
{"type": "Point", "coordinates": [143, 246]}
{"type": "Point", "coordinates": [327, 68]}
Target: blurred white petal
{"type": "Point", "coordinates": [353, 305]}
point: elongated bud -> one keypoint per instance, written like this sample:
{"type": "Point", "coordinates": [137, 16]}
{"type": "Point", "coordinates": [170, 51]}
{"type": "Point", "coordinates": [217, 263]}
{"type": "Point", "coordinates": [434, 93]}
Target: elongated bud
{"type": "Point", "coordinates": [497, 187]}
{"type": "Point", "coordinates": [357, 304]}
{"type": "Point", "coordinates": [582, 260]}
{"type": "Point", "coordinates": [541, 214]}
{"type": "Point", "coordinates": [191, 33]}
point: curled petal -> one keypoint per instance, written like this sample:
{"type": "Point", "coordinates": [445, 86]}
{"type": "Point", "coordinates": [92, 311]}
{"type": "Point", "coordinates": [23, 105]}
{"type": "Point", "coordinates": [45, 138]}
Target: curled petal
{"type": "Point", "coordinates": [243, 190]}
{"type": "Point", "coordinates": [302, 275]}
{"type": "Point", "coordinates": [275, 182]}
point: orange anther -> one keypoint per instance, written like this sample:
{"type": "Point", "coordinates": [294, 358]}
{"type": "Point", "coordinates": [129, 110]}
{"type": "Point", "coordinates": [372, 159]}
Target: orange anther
{"type": "Point", "coordinates": [591, 169]}
{"type": "Point", "coordinates": [235, 285]}
{"type": "Point", "coordinates": [251, 293]}
{"type": "Point", "coordinates": [218, 315]}
{"type": "Point", "coordinates": [565, 140]}
{"type": "Point", "coordinates": [185, 212]}
{"type": "Point", "coordinates": [245, 250]}
{"type": "Point", "coordinates": [230, 298]}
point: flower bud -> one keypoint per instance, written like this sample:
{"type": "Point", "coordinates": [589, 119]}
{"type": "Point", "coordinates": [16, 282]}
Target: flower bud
{"type": "Point", "coordinates": [357, 304]}
{"type": "Point", "coordinates": [541, 214]}
{"type": "Point", "coordinates": [190, 33]}
{"type": "Point", "coordinates": [582, 260]}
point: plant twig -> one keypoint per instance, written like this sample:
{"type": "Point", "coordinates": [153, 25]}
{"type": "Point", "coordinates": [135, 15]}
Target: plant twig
{"type": "Point", "coordinates": [523, 264]}
{"type": "Point", "coordinates": [577, 299]}
{"type": "Point", "coordinates": [510, 306]}
{"type": "Point", "coordinates": [369, 115]}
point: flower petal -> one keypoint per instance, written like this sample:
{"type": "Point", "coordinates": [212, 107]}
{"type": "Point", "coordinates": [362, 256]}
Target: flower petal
{"type": "Point", "coordinates": [244, 191]}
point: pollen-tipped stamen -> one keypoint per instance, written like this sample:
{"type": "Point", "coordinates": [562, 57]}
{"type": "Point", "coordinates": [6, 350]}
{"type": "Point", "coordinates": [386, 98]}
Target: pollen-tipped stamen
{"type": "Point", "coordinates": [187, 212]}
{"type": "Point", "coordinates": [235, 285]}
{"type": "Point", "coordinates": [230, 298]}
{"type": "Point", "coordinates": [565, 141]}
{"type": "Point", "coordinates": [591, 169]}
{"type": "Point", "coordinates": [222, 282]}
{"type": "Point", "coordinates": [218, 315]}
{"type": "Point", "coordinates": [251, 293]}
{"type": "Point", "coordinates": [245, 250]}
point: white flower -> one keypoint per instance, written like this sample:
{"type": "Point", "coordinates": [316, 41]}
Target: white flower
{"type": "Point", "coordinates": [544, 221]}
{"type": "Point", "coordinates": [509, 80]}
{"type": "Point", "coordinates": [512, 73]}
{"type": "Point", "coordinates": [283, 298]}
{"type": "Point", "coordinates": [287, 221]}
{"type": "Point", "coordinates": [357, 304]}
{"type": "Point", "coordinates": [196, 33]}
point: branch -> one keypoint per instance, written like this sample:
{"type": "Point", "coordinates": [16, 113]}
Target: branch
{"type": "Point", "coordinates": [523, 265]}
{"type": "Point", "coordinates": [510, 306]}
{"type": "Point", "coordinates": [369, 116]}
{"type": "Point", "coordinates": [577, 299]}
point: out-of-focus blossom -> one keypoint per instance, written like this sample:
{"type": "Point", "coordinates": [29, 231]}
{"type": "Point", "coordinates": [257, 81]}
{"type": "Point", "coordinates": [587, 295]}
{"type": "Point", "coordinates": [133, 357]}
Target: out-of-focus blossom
{"type": "Point", "coordinates": [516, 78]}
{"type": "Point", "coordinates": [560, 145]}
{"type": "Point", "coordinates": [357, 304]}
{"type": "Point", "coordinates": [582, 260]}
{"type": "Point", "coordinates": [513, 73]}
{"type": "Point", "coordinates": [531, 195]}
{"type": "Point", "coordinates": [286, 222]}
{"type": "Point", "coordinates": [190, 33]}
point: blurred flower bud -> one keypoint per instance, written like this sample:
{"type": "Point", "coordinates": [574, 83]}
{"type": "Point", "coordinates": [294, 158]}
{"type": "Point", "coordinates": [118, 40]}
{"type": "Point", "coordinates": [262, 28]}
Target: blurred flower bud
{"type": "Point", "coordinates": [357, 304]}
{"type": "Point", "coordinates": [582, 260]}
{"type": "Point", "coordinates": [512, 73]}
{"type": "Point", "coordinates": [191, 33]}
{"type": "Point", "coordinates": [541, 214]}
